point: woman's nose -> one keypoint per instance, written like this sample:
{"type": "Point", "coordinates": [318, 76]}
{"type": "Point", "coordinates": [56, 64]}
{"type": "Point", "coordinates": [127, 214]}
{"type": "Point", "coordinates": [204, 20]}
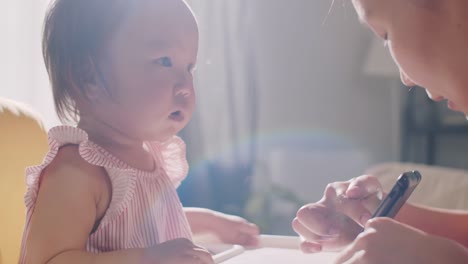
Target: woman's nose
{"type": "Point", "coordinates": [406, 80]}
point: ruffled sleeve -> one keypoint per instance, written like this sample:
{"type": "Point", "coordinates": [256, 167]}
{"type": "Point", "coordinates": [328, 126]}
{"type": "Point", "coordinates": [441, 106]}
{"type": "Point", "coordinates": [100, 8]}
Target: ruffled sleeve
{"type": "Point", "coordinates": [57, 137]}
{"type": "Point", "coordinates": [172, 156]}
{"type": "Point", "coordinates": [121, 176]}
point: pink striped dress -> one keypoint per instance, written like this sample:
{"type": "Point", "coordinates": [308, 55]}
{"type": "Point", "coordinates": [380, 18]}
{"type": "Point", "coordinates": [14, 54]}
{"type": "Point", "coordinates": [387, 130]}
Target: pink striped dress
{"type": "Point", "coordinates": [144, 210]}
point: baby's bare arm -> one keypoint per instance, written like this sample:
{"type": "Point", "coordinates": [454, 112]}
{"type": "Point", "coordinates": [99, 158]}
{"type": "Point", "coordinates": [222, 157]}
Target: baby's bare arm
{"type": "Point", "coordinates": [72, 196]}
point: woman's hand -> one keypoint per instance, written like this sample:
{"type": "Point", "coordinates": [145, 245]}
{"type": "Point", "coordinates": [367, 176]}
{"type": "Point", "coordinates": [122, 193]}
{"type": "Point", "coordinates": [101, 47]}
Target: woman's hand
{"type": "Point", "coordinates": [334, 222]}
{"type": "Point", "coordinates": [387, 241]}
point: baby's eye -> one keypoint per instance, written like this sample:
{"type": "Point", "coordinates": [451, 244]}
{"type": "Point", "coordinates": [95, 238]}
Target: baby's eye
{"type": "Point", "coordinates": [164, 61]}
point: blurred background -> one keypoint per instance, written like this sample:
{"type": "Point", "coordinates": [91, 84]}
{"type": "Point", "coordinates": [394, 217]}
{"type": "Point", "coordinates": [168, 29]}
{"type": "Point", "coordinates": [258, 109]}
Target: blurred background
{"type": "Point", "coordinates": [292, 95]}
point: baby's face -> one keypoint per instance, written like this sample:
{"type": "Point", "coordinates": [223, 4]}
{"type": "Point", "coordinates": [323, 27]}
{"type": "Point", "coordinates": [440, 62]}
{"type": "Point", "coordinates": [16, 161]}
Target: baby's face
{"type": "Point", "coordinates": [148, 68]}
{"type": "Point", "coordinates": [424, 40]}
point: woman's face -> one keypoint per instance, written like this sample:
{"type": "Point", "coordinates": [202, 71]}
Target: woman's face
{"type": "Point", "coordinates": [427, 41]}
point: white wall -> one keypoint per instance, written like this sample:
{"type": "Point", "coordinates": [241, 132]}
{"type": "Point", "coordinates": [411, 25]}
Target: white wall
{"type": "Point", "coordinates": [313, 86]}
{"type": "Point", "coordinates": [311, 76]}
{"type": "Point", "coordinates": [22, 69]}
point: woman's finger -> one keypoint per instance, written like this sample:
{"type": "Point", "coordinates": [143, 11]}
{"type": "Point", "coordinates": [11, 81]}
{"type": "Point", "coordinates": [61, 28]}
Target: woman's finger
{"type": "Point", "coordinates": [361, 198]}
{"type": "Point", "coordinates": [354, 209]}
{"type": "Point", "coordinates": [363, 187]}
{"type": "Point", "coordinates": [307, 234]}
{"type": "Point", "coordinates": [319, 219]}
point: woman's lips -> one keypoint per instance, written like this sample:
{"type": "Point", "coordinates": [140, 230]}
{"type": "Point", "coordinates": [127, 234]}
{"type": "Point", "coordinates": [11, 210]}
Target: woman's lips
{"type": "Point", "coordinates": [452, 106]}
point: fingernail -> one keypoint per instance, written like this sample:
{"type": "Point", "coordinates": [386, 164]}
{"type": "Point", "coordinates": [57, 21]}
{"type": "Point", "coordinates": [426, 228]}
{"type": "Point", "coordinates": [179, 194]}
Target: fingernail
{"type": "Point", "coordinates": [364, 218]}
{"type": "Point", "coordinates": [326, 238]}
{"type": "Point", "coordinates": [354, 188]}
{"type": "Point", "coordinates": [353, 192]}
{"type": "Point", "coordinates": [312, 249]}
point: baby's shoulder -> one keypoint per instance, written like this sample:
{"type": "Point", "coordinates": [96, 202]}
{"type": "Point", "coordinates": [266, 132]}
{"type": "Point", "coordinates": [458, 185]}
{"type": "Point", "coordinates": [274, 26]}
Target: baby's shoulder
{"type": "Point", "coordinates": [69, 167]}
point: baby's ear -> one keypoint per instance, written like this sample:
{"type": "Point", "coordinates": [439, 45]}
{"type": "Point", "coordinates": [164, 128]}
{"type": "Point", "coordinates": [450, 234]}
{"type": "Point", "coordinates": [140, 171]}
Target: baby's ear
{"type": "Point", "coordinates": [94, 86]}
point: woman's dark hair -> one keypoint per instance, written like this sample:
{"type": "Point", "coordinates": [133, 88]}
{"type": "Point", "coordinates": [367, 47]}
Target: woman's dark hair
{"type": "Point", "coordinates": [75, 31]}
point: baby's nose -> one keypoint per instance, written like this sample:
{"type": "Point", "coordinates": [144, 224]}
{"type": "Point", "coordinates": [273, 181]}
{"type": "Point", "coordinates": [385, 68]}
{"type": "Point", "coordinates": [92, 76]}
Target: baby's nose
{"type": "Point", "coordinates": [183, 93]}
{"type": "Point", "coordinates": [184, 85]}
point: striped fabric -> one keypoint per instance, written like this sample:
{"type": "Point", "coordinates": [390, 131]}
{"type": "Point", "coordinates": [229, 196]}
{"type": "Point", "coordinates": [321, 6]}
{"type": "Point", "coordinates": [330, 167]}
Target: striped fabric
{"type": "Point", "coordinates": [144, 210]}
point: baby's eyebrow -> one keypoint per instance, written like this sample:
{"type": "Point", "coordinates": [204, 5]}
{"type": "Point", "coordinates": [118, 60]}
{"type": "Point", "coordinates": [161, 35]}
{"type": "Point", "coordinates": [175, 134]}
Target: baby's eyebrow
{"type": "Point", "coordinates": [158, 43]}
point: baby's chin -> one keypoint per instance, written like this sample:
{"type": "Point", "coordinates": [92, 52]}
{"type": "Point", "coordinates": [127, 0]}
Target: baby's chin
{"type": "Point", "coordinates": [164, 138]}
{"type": "Point", "coordinates": [161, 136]}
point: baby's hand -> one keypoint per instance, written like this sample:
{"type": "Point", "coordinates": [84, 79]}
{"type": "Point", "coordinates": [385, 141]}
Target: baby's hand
{"type": "Point", "coordinates": [178, 251]}
{"type": "Point", "coordinates": [231, 229]}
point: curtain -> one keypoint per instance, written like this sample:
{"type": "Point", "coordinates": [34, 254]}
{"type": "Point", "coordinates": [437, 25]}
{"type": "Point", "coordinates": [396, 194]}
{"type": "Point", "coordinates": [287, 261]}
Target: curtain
{"type": "Point", "coordinates": [221, 136]}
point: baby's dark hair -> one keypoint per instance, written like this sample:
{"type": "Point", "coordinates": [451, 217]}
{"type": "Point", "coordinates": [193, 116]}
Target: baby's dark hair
{"type": "Point", "coordinates": [75, 32]}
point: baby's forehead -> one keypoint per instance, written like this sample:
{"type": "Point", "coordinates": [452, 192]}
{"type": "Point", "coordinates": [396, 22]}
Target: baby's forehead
{"type": "Point", "coordinates": [158, 25]}
{"type": "Point", "coordinates": [166, 14]}
{"type": "Point", "coordinates": [162, 20]}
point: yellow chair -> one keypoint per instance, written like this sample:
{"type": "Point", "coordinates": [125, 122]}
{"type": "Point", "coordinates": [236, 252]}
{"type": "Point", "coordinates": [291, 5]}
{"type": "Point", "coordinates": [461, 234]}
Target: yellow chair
{"type": "Point", "coordinates": [23, 142]}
